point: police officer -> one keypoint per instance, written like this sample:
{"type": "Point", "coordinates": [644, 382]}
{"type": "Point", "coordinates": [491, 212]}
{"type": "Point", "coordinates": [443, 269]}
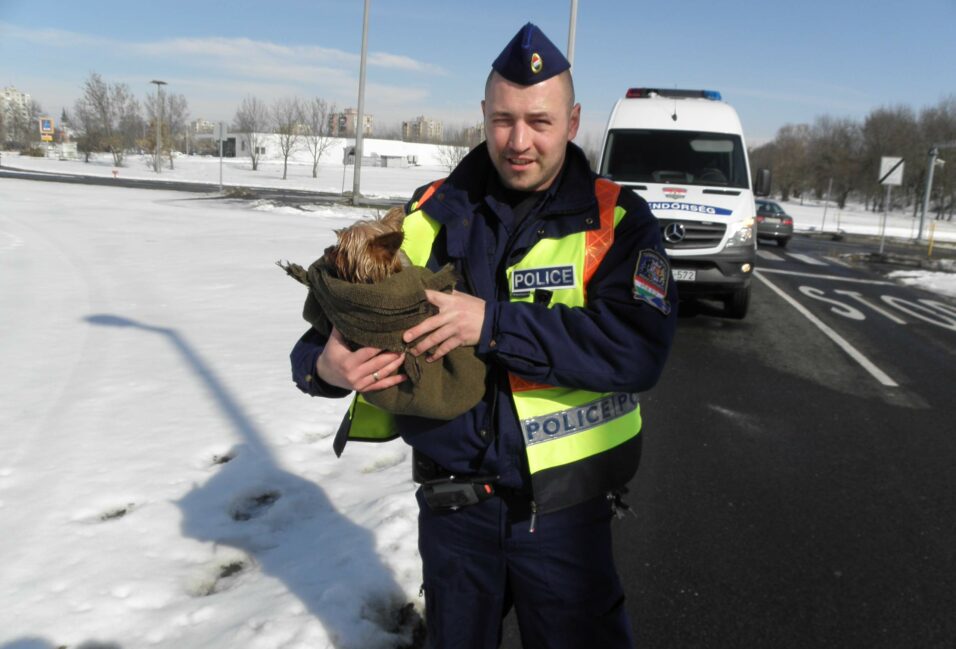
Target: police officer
{"type": "Point", "coordinates": [567, 294]}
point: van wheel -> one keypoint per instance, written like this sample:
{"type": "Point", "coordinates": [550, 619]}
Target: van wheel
{"type": "Point", "coordinates": [736, 304]}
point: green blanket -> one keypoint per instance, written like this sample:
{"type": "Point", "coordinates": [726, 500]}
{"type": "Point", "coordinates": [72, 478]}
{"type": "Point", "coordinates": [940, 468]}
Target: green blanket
{"type": "Point", "coordinates": [376, 315]}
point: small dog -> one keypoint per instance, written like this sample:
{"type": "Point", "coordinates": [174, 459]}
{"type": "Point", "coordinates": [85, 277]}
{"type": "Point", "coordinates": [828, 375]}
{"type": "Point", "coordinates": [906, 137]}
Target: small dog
{"type": "Point", "coordinates": [368, 251]}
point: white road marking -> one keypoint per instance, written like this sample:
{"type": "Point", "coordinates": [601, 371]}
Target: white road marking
{"type": "Point", "coordinates": [835, 278]}
{"type": "Point", "coordinates": [766, 254]}
{"type": "Point", "coordinates": [862, 300]}
{"type": "Point", "coordinates": [807, 259]}
{"type": "Point", "coordinates": [841, 342]}
{"type": "Point", "coordinates": [913, 309]}
{"type": "Point", "coordinates": [838, 261]}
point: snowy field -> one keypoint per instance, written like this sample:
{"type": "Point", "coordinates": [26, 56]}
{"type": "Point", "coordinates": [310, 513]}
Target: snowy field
{"type": "Point", "coordinates": [333, 176]}
{"type": "Point", "coordinates": [162, 482]}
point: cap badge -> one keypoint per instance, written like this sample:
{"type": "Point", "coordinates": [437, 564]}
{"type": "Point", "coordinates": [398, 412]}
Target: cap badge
{"type": "Point", "coordinates": [536, 63]}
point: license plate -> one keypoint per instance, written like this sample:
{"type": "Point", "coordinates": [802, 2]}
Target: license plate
{"type": "Point", "coordinates": [682, 275]}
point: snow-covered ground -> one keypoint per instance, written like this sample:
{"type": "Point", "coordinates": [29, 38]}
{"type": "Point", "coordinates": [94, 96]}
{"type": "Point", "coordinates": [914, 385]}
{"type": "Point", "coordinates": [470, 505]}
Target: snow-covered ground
{"type": "Point", "coordinates": [162, 482]}
{"type": "Point", "coordinates": [333, 176]}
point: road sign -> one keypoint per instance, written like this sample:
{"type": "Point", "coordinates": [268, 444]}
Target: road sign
{"type": "Point", "coordinates": [46, 125]}
{"type": "Point", "coordinates": [221, 131]}
{"type": "Point", "coordinates": [891, 171]}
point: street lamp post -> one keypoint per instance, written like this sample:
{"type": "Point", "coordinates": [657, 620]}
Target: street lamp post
{"type": "Point", "coordinates": [360, 126]}
{"type": "Point", "coordinates": [572, 29]}
{"type": "Point", "coordinates": [159, 123]}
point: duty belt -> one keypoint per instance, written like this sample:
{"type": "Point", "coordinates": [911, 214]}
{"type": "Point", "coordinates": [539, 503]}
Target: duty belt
{"type": "Point", "coordinates": [443, 490]}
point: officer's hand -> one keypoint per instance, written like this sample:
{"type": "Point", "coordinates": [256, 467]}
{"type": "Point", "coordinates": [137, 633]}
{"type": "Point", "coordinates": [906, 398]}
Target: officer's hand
{"type": "Point", "coordinates": [365, 370]}
{"type": "Point", "coordinates": [458, 322]}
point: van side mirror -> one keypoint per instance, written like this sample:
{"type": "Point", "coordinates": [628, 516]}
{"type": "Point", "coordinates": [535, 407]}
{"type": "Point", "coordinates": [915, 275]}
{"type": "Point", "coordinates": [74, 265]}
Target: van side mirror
{"type": "Point", "coordinates": [762, 183]}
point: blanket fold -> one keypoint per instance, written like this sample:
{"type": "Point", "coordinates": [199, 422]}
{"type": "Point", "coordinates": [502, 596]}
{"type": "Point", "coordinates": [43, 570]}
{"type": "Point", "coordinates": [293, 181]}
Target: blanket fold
{"type": "Point", "coordinates": [376, 315]}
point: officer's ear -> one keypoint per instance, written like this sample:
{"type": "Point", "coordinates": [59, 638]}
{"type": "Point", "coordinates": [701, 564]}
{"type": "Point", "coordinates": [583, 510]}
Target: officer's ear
{"type": "Point", "coordinates": [575, 121]}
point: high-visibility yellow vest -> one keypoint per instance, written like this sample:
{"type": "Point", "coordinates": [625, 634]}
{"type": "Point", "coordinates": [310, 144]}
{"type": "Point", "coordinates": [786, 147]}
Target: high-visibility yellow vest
{"type": "Point", "coordinates": [562, 427]}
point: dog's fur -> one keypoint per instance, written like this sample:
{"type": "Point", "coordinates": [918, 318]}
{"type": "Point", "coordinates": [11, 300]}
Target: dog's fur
{"type": "Point", "coordinates": [368, 251]}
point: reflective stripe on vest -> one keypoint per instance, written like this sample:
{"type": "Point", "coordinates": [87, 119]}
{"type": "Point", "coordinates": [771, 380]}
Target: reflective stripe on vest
{"type": "Point", "coordinates": [565, 425]}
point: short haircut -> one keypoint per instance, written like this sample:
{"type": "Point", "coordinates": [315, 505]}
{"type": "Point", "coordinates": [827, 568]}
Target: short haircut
{"type": "Point", "coordinates": [563, 75]}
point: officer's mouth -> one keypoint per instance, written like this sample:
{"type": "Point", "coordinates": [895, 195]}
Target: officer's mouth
{"type": "Point", "coordinates": [520, 164]}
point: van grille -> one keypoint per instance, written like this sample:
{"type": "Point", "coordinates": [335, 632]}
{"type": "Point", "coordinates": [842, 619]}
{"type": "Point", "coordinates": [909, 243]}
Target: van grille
{"type": "Point", "coordinates": [686, 235]}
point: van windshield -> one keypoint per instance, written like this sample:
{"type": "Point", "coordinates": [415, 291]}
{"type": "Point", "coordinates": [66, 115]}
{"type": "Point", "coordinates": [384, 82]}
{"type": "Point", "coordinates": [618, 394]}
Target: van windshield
{"type": "Point", "coordinates": [680, 157]}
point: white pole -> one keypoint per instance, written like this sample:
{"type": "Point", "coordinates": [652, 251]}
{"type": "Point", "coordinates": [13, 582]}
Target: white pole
{"type": "Point", "coordinates": [360, 126]}
{"type": "Point", "coordinates": [826, 204]}
{"type": "Point", "coordinates": [886, 210]}
{"type": "Point", "coordinates": [572, 28]}
{"type": "Point", "coordinates": [222, 135]}
{"type": "Point", "coordinates": [159, 123]}
{"type": "Point", "coordinates": [933, 152]}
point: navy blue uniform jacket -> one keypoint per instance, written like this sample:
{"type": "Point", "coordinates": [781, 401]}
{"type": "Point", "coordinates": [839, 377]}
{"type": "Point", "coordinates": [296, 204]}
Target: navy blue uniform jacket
{"type": "Point", "coordinates": [615, 343]}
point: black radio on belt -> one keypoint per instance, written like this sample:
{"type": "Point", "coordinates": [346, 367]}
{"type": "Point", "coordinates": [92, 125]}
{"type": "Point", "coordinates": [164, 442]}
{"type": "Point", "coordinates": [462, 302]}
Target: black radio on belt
{"type": "Point", "coordinates": [442, 490]}
{"type": "Point", "coordinates": [454, 492]}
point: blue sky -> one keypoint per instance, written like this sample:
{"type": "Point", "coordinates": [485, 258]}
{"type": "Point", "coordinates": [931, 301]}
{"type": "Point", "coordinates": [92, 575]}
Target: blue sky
{"type": "Point", "coordinates": [776, 62]}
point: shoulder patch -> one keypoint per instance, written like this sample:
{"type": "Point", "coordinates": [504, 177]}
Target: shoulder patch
{"type": "Point", "coordinates": [650, 280]}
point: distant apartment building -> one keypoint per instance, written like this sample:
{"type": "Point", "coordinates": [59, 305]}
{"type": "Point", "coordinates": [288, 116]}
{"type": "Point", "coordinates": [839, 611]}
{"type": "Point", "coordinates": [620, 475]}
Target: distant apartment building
{"type": "Point", "coordinates": [201, 127]}
{"type": "Point", "coordinates": [344, 124]}
{"type": "Point", "coordinates": [15, 109]}
{"type": "Point", "coordinates": [422, 129]}
{"type": "Point", "coordinates": [472, 136]}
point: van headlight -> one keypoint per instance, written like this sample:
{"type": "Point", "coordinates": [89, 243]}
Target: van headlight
{"type": "Point", "coordinates": [744, 235]}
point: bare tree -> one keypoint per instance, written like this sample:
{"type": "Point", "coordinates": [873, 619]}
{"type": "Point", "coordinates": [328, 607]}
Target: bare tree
{"type": "Point", "coordinates": [109, 117]}
{"type": "Point", "coordinates": [890, 132]}
{"type": "Point", "coordinates": [937, 126]}
{"type": "Point", "coordinates": [456, 145]}
{"type": "Point", "coordinates": [449, 155]}
{"type": "Point", "coordinates": [252, 118]}
{"type": "Point", "coordinates": [835, 148]}
{"type": "Point", "coordinates": [287, 123]}
{"type": "Point", "coordinates": [175, 113]}
{"type": "Point", "coordinates": [316, 137]}
{"type": "Point", "coordinates": [790, 162]}
{"type": "Point", "coordinates": [19, 125]}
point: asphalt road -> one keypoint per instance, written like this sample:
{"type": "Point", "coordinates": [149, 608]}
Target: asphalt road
{"type": "Point", "coordinates": [798, 487]}
{"type": "Point", "coordinates": [790, 495]}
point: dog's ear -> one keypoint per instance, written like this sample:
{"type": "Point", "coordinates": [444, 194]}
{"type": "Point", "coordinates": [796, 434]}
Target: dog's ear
{"type": "Point", "coordinates": [394, 217]}
{"type": "Point", "coordinates": [387, 244]}
{"type": "Point", "coordinates": [330, 259]}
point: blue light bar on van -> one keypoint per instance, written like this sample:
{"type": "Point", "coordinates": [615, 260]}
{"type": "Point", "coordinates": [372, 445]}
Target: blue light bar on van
{"type": "Point", "coordinates": [644, 93]}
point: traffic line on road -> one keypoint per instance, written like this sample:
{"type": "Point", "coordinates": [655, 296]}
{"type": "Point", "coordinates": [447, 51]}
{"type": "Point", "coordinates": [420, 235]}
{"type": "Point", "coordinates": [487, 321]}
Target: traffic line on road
{"type": "Point", "coordinates": [841, 342]}
{"type": "Point", "coordinates": [862, 300]}
{"type": "Point", "coordinates": [838, 261]}
{"type": "Point", "coordinates": [807, 259]}
{"type": "Point", "coordinates": [766, 254]}
{"type": "Point", "coordinates": [835, 278]}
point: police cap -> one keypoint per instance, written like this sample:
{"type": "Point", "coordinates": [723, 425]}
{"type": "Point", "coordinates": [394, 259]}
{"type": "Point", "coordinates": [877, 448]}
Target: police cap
{"type": "Point", "coordinates": [530, 58]}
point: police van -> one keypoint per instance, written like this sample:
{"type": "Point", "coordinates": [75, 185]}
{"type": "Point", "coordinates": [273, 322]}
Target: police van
{"type": "Point", "coordinates": [683, 151]}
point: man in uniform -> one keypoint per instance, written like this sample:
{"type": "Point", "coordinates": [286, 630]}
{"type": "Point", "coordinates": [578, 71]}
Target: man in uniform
{"type": "Point", "coordinates": [566, 292]}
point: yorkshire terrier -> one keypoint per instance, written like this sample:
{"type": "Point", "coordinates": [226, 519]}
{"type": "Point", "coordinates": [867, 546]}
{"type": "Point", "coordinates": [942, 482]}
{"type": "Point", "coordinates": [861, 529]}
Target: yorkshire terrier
{"type": "Point", "coordinates": [369, 250]}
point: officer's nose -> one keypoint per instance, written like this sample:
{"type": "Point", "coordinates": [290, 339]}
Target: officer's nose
{"type": "Point", "coordinates": [520, 137]}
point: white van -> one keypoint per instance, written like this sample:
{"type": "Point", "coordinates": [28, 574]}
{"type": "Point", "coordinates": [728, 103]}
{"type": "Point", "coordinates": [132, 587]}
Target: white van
{"type": "Point", "coordinates": [683, 151]}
